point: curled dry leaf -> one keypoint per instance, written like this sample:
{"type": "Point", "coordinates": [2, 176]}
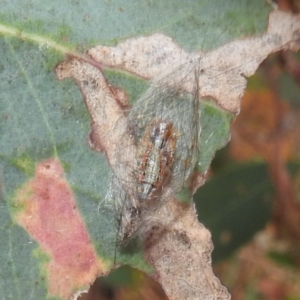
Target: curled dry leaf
{"type": "Point", "coordinates": [177, 245]}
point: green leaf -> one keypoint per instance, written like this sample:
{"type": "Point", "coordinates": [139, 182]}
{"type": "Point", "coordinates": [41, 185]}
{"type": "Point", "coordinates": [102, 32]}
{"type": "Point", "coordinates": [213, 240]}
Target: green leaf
{"type": "Point", "coordinates": [42, 118]}
{"type": "Point", "coordinates": [234, 205]}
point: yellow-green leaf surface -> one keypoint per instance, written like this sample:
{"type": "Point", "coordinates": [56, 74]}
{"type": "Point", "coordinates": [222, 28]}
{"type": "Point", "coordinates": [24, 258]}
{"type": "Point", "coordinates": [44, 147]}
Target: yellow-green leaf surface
{"type": "Point", "coordinates": [52, 249]}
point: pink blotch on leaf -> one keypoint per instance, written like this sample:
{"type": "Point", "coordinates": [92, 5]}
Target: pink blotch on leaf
{"type": "Point", "coordinates": [50, 216]}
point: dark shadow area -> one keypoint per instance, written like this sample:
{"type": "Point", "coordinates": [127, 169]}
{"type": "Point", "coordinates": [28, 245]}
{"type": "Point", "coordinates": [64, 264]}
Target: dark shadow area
{"type": "Point", "coordinates": [125, 283]}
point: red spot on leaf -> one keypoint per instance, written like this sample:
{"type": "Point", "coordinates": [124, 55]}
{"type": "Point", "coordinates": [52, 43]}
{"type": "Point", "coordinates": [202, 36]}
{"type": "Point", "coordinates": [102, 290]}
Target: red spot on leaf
{"type": "Point", "coordinates": [50, 216]}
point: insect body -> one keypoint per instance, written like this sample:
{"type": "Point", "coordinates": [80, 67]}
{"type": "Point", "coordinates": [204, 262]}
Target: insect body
{"type": "Point", "coordinates": [156, 162]}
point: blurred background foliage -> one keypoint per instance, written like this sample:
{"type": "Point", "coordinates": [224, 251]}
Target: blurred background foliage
{"type": "Point", "coordinates": [251, 199]}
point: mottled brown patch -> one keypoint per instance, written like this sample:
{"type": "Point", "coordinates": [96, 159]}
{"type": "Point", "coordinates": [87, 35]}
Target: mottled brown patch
{"type": "Point", "coordinates": [179, 248]}
{"type": "Point", "coordinates": [223, 70]}
{"type": "Point", "coordinates": [103, 103]}
{"type": "Point", "coordinates": [50, 216]}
